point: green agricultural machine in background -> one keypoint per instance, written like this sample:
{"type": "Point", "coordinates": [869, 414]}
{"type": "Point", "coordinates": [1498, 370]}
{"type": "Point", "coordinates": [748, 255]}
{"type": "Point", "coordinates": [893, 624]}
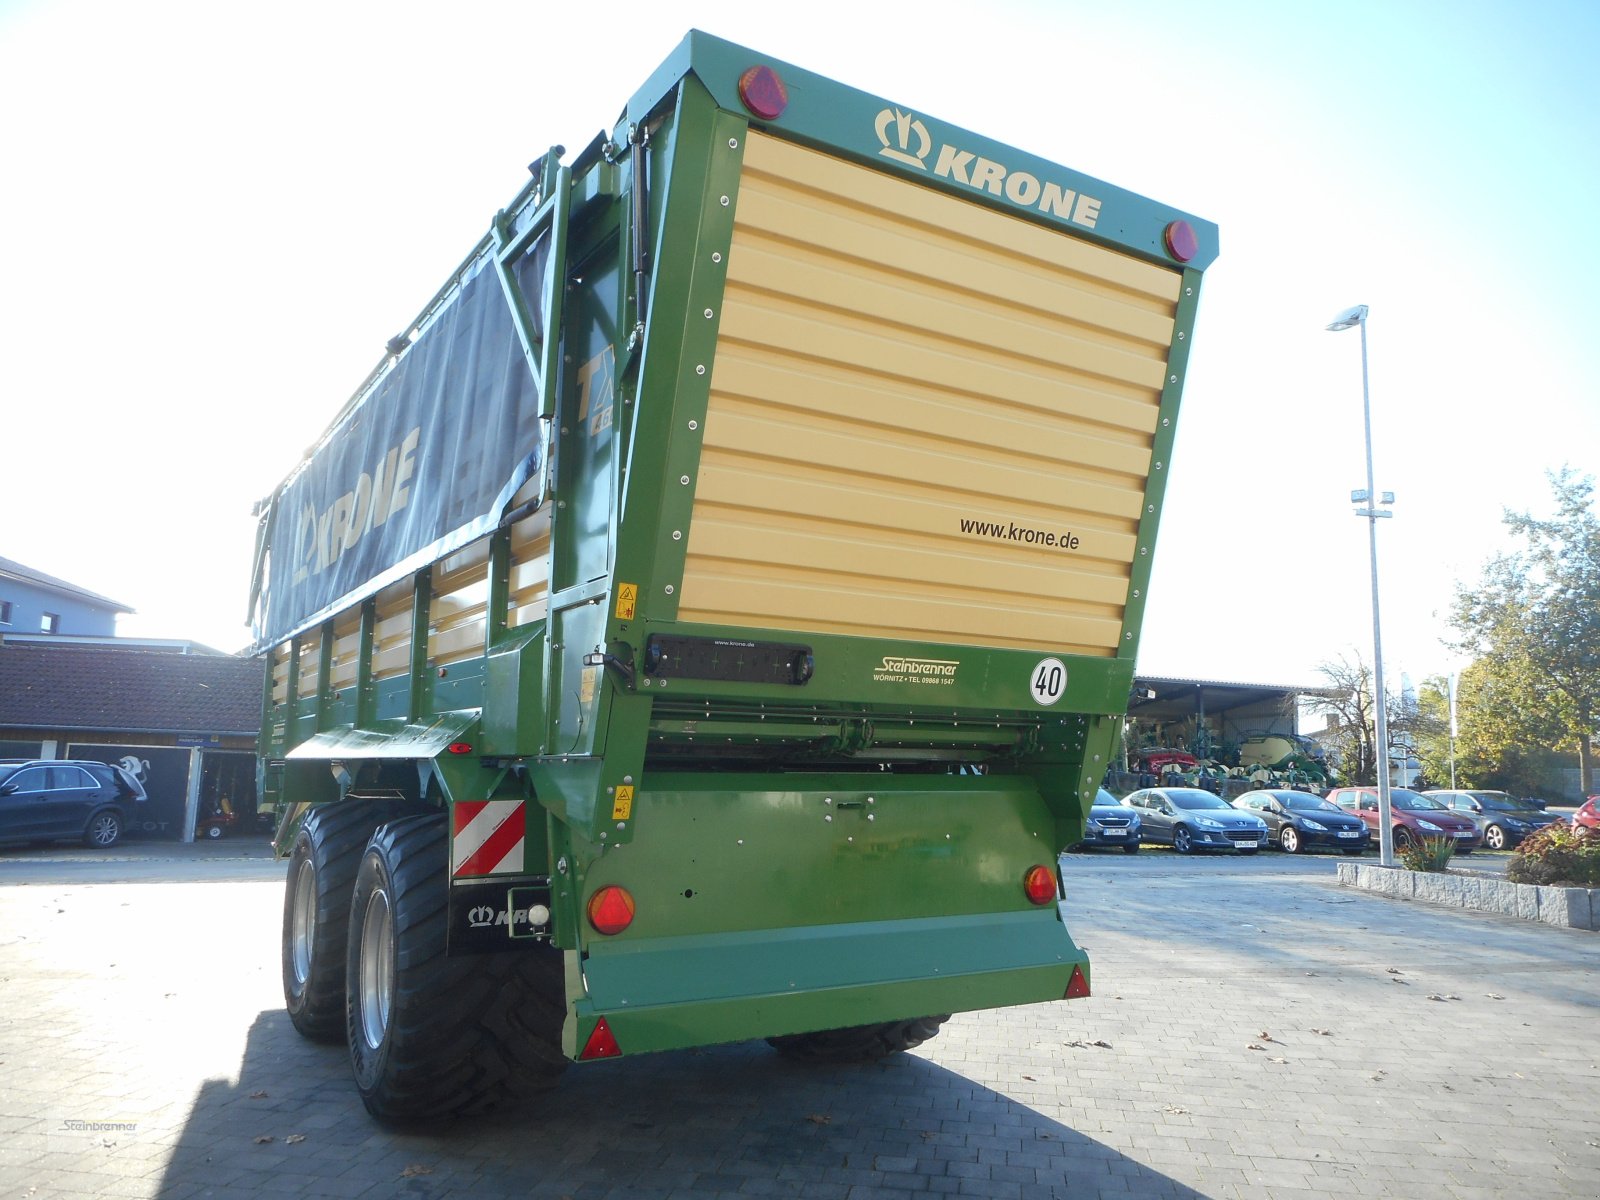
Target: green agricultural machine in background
{"type": "Point", "coordinates": [713, 616]}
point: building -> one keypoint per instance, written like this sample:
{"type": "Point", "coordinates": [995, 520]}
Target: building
{"type": "Point", "coordinates": [33, 602]}
{"type": "Point", "coordinates": [184, 723]}
{"type": "Point", "coordinates": [179, 716]}
{"type": "Point", "coordinates": [1212, 720]}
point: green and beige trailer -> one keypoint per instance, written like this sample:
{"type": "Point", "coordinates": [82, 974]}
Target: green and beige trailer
{"type": "Point", "coordinates": [713, 616]}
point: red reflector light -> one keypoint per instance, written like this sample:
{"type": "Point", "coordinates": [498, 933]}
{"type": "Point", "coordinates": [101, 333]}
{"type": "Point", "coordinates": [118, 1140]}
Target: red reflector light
{"type": "Point", "coordinates": [1040, 884]}
{"type": "Point", "coordinates": [459, 747]}
{"type": "Point", "coordinates": [1078, 985]}
{"type": "Point", "coordinates": [763, 93]}
{"type": "Point", "coordinates": [1181, 241]}
{"type": "Point", "coordinates": [611, 909]}
{"type": "Point", "coordinates": [602, 1043]}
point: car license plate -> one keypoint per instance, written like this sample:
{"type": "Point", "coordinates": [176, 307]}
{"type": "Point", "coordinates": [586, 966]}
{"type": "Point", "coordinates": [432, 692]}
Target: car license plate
{"type": "Point", "coordinates": [1115, 832]}
{"type": "Point", "coordinates": [1251, 844]}
{"type": "Point", "coordinates": [1464, 833]}
{"type": "Point", "coordinates": [1350, 833]}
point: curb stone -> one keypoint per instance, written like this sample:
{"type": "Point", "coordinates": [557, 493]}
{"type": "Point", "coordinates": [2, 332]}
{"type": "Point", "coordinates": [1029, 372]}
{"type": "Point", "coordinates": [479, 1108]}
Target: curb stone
{"type": "Point", "coordinates": [1570, 908]}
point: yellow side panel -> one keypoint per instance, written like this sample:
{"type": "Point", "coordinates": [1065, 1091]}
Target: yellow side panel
{"type": "Point", "coordinates": [928, 419]}
{"type": "Point", "coordinates": [279, 658]}
{"type": "Point", "coordinates": [391, 633]}
{"type": "Point", "coordinates": [346, 649]}
{"type": "Point", "coordinates": [457, 616]}
{"type": "Point", "coordinates": [310, 659]}
{"type": "Point", "coordinates": [529, 592]}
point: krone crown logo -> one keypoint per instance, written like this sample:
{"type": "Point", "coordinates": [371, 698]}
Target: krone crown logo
{"type": "Point", "coordinates": [896, 130]}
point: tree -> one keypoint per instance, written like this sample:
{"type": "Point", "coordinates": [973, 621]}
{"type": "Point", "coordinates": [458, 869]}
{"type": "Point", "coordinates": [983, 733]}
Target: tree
{"type": "Point", "coordinates": [1533, 625]}
{"type": "Point", "coordinates": [1347, 698]}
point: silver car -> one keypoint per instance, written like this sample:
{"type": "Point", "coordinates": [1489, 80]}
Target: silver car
{"type": "Point", "coordinates": [1190, 819]}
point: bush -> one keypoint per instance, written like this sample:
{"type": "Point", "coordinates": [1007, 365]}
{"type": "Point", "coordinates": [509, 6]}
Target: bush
{"type": "Point", "coordinates": [1428, 854]}
{"type": "Point", "coordinates": [1558, 855]}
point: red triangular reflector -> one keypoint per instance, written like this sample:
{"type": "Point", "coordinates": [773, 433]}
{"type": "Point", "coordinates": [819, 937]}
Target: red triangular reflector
{"type": "Point", "coordinates": [1078, 985]}
{"type": "Point", "coordinates": [602, 1043]}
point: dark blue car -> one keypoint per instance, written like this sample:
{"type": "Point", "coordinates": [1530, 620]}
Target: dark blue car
{"type": "Point", "coordinates": [1303, 821]}
{"type": "Point", "coordinates": [1111, 823]}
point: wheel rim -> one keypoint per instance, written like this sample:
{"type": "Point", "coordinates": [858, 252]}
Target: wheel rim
{"type": "Point", "coordinates": [1180, 841]}
{"type": "Point", "coordinates": [104, 829]}
{"type": "Point", "coordinates": [303, 923]}
{"type": "Point", "coordinates": [377, 969]}
{"type": "Point", "coordinates": [1495, 838]}
{"type": "Point", "coordinates": [1290, 840]}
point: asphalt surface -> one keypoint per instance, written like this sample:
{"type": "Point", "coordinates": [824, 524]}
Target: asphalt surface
{"type": "Point", "coordinates": [1255, 1031]}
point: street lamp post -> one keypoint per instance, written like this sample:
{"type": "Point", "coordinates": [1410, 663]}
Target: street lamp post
{"type": "Point", "coordinates": [1350, 318]}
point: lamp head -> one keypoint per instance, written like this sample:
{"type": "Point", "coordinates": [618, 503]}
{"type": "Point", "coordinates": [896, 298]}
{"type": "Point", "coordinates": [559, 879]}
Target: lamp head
{"type": "Point", "coordinates": [1348, 319]}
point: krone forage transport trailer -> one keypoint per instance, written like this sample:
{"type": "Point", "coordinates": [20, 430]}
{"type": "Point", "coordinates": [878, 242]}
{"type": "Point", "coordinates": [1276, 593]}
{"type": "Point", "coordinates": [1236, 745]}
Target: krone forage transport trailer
{"type": "Point", "coordinates": [713, 616]}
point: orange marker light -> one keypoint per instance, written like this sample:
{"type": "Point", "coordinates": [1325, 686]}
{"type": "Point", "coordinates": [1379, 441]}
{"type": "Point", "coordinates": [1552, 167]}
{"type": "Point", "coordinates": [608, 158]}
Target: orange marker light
{"type": "Point", "coordinates": [611, 909]}
{"type": "Point", "coordinates": [1040, 884]}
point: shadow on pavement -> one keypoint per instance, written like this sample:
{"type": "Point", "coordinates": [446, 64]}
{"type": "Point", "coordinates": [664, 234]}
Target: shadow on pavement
{"type": "Point", "coordinates": [733, 1119]}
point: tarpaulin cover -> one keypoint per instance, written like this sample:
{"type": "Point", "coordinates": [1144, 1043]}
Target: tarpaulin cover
{"type": "Point", "coordinates": [422, 465]}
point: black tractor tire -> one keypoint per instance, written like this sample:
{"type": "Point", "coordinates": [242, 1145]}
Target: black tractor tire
{"type": "Point", "coordinates": [104, 829]}
{"type": "Point", "coordinates": [858, 1043]}
{"type": "Point", "coordinates": [433, 1037]}
{"type": "Point", "coordinates": [316, 912]}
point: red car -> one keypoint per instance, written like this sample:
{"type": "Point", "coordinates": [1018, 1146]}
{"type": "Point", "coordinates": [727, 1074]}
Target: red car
{"type": "Point", "coordinates": [1415, 816]}
{"type": "Point", "coordinates": [1588, 814]}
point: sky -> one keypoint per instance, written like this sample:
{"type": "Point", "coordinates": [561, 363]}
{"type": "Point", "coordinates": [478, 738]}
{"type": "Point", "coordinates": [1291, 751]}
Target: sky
{"type": "Point", "coordinates": [213, 216]}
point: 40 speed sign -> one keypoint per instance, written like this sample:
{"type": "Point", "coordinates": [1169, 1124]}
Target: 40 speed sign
{"type": "Point", "coordinates": [1048, 682]}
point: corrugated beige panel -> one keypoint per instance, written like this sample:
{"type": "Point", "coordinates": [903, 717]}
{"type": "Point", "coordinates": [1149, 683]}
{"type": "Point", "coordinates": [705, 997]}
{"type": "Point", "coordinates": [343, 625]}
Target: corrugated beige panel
{"type": "Point", "coordinates": [907, 388]}
{"type": "Point", "coordinates": [391, 634]}
{"type": "Point", "coordinates": [529, 594]}
{"type": "Point", "coordinates": [456, 613]}
{"type": "Point", "coordinates": [346, 649]}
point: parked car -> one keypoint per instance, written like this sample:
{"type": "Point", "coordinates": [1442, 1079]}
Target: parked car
{"type": "Point", "coordinates": [1588, 814]}
{"type": "Point", "coordinates": [1414, 817]}
{"type": "Point", "coordinates": [1303, 821]}
{"type": "Point", "coordinates": [1501, 820]}
{"type": "Point", "coordinates": [1191, 819]}
{"type": "Point", "coordinates": [1111, 823]}
{"type": "Point", "coordinates": [47, 800]}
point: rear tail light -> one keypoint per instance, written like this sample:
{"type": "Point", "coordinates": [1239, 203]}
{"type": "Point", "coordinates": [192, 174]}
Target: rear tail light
{"type": "Point", "coordinates": [1040, 884]}
{"type": "Point", "coordinates": [763, 92]}
{"type": "Point", "coordinates": [1181, 241]}
{"type": "Point", "coordinates": [611, 909]}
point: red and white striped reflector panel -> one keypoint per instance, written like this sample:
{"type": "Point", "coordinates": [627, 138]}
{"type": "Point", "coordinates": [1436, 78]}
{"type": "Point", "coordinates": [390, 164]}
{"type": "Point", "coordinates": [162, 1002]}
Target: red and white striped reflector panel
{"type": "Point", "coordinates": [489, 838]}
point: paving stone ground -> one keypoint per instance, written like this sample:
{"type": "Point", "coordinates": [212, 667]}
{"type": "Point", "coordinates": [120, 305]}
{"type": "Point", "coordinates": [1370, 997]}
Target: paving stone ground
{"type": "Point", "coordinates": [1255, 1031]}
